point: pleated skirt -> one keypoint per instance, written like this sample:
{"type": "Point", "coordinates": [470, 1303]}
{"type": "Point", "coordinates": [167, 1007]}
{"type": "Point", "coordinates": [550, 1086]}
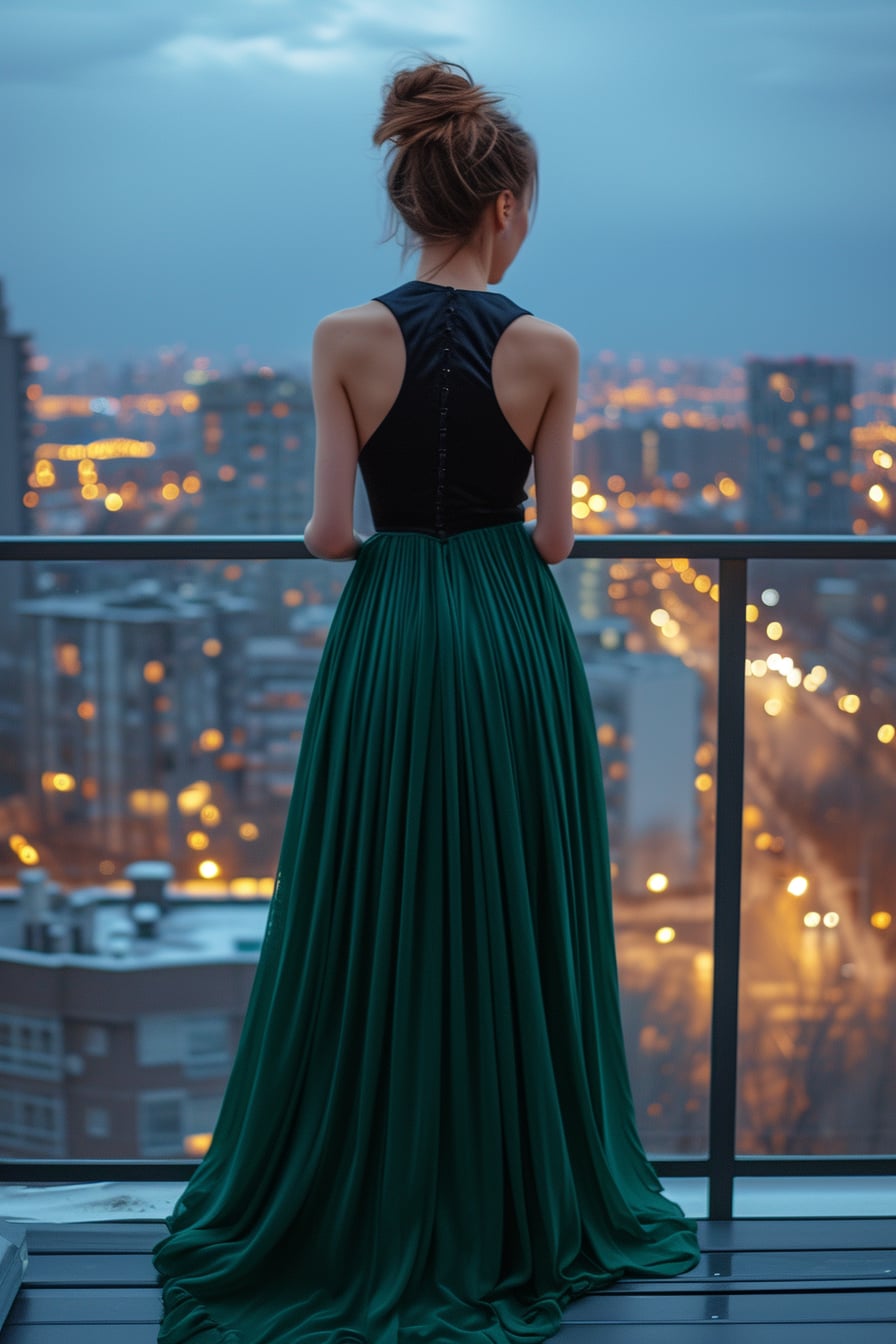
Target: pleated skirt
{"type": "Point", "coordinates": [428, 1131]}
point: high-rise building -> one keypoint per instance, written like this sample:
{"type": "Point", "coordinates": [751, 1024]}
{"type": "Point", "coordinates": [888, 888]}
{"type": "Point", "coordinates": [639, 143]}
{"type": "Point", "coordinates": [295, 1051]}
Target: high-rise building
{"type": "Point", "coordinates": [256, 459]}
{"type": "Point", "coordinates": [800, 445]}
{"type": "Point", "coordinates": [257, 454]}
{"type": "Point", "coordinates": [15, 428]}
{"type": "Point", "coordinates": [132, 697]}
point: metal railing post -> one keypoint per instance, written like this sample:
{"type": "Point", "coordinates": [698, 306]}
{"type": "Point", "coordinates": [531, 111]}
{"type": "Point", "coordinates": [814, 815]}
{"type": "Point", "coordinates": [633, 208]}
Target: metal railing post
{"type": "Point", "coordinates": [726, 912]}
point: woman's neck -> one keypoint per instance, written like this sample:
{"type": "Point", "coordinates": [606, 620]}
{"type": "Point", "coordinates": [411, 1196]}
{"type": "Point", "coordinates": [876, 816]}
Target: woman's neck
{"type": "Point", "coordinates": [464, 267]}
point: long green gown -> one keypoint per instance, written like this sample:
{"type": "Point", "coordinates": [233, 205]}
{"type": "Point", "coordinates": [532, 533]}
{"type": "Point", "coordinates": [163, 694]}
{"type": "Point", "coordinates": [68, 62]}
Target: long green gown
{"type": "Point", "coordinates": [428, 1132]}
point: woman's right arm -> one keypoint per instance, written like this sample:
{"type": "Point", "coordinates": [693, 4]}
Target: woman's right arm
{"type": "Point", "coordinates": [553, 533]}
{"type": "Point", "coordinates": [329, 532]}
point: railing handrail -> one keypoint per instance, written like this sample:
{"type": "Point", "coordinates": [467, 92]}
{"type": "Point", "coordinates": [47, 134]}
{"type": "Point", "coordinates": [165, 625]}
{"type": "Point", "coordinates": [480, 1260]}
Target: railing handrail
{"type": "Point", "coordinates": [267, 546]}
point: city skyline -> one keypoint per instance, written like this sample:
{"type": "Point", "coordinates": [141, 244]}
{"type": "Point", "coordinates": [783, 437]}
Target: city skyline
{"type": "Point", "coordinates": [124, 448]}
{"type": "Point", "coordinates": [710, 180]}
{"type": "Point", "coordinates": [155, 718]}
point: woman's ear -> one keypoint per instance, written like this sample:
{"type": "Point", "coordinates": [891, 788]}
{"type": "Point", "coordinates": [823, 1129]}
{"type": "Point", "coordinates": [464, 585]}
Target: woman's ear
{"type": "Point", "coordinates": [504, 205]}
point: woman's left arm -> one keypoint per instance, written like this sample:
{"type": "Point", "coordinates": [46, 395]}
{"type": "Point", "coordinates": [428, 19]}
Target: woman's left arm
{"type": "Point", "coordinates": [329, 532]}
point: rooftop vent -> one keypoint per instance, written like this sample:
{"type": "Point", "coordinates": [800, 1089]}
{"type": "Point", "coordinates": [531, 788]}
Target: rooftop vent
{"type": "Point", "coordinates": [150, 878]}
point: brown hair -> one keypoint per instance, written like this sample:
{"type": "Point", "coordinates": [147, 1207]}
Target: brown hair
{"type": "Point", "coordinates": [453, 151]}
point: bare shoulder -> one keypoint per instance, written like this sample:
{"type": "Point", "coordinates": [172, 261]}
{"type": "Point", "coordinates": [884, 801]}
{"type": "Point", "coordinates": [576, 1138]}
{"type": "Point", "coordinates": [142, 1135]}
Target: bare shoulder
{"type": "Point", "coordinates": [350, 324]}
{"type": "Point", "coordinates": [543, 342]}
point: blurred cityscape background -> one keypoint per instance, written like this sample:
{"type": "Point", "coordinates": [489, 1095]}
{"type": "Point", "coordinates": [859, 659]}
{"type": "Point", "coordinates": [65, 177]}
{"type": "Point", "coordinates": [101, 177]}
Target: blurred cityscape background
{"type": "Point", "coordinates": [151, 718]}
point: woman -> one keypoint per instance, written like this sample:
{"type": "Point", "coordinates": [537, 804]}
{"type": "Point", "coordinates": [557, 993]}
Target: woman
{"type": "Point", "coordinates": [428, 1131]}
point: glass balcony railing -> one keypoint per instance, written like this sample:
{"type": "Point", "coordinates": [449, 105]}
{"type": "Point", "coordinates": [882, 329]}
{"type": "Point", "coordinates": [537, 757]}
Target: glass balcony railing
{"type": "Point", "coordinates": [152, 696]}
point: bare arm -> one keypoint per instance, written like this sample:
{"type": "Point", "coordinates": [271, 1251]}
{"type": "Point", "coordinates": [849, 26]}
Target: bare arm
{"type": "Point", "coordinates": [329, 533]}
{"type": "Point", "coordinates": [553, 532]}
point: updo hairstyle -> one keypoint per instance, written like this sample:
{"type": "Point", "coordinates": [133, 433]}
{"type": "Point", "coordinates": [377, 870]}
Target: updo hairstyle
{"type": "Point", "coordinates": [453, 151]}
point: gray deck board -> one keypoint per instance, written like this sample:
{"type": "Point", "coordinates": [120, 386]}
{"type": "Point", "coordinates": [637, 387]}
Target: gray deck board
{"type": "Point", "coordinates": [759, 1281]}
{"type": "Point", "coordinates": [872, 1332]}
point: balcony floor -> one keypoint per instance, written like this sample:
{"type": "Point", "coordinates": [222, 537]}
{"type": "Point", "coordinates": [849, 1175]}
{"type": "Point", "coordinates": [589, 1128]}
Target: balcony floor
{"type": "Point", "coordinates": [761, 1280]}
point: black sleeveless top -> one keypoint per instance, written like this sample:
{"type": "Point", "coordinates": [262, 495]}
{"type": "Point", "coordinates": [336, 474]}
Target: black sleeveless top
{"type": "Point", "coordinates": [445, 459]}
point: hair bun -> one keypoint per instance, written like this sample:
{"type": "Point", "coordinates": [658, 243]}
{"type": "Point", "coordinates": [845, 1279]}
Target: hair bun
{"type": "Point", "coordinates": [453, 150]}
{"type": "Point", "coordinates": [429, 102]}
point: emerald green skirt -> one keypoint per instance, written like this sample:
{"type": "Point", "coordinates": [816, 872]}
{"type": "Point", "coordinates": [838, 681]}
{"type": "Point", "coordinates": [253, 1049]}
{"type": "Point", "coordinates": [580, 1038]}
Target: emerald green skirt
{"type": "Point", "coordinates": [428, 1132]}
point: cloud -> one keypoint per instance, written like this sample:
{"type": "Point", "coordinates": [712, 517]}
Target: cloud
{"type": "Point", "coordinates": [53, 41]}
{"type": "Point", "coordinates": [340, 34]}
{"type": "Point", "coordinates": [197, 51]}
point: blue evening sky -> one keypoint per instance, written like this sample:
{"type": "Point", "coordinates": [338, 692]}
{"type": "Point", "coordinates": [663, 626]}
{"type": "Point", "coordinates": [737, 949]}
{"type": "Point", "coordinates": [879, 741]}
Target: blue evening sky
{"type": "Point", "coordinates": [716, 175]}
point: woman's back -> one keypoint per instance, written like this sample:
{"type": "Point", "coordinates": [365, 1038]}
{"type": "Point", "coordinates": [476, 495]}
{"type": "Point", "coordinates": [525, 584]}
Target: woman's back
{"type": "Point", "coordinates": [444, 397]}
{"type": "Point", "coordinates": [444, 458]}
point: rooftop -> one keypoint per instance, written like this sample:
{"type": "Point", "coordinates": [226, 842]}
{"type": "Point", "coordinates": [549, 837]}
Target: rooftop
{"type": "Point", "coordinates": [187, 929]}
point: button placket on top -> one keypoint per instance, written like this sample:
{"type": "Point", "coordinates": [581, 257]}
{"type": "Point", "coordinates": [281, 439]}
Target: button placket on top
{"type": "Point", "coordinates": [443, 414]}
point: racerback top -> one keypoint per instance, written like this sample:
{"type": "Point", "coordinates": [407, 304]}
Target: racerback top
{"type": "Point", "coordinates": [445, 459]}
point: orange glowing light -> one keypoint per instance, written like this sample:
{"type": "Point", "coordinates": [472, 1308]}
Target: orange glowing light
{"type": "Point", "coordinates": [68, 659]}
{"type": "Point", "coordinates": [197, 1145]}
